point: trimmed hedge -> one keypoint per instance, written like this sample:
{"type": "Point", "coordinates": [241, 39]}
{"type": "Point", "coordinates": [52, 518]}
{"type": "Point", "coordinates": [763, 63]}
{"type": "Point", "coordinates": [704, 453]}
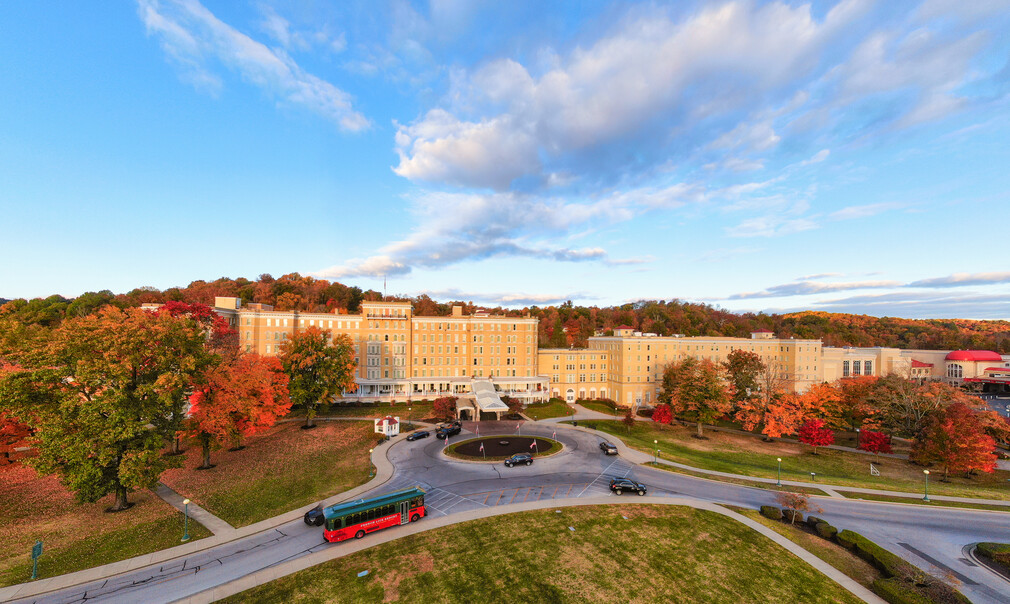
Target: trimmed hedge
{"type": "Point", "coordinates": [792, 516]}
{"type": "Point", "coordinates": [770, 511]}
{"type": "Point", "coordinates": [896, 591]}
{"type": "Point", "coordinates": [813, 521]}
{"type": "Point", "coordinates": [826, 531]}
{"type": "Point", "coordinates": [903, 583]}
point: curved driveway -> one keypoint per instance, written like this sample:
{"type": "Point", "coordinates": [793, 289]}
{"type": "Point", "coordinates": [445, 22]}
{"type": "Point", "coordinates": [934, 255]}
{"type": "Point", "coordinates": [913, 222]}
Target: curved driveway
{"type": "Point", "coordinates": [931, 537]}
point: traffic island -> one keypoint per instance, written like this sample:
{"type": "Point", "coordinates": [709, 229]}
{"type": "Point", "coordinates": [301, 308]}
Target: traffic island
{"type": "Point", "coordinates": [499, 447]}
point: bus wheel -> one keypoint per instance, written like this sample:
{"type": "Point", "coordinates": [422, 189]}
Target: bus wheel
{"type": "Point", "coordinates": [359, 534]}
{"type": "Point", "coordinates": [415, 518]}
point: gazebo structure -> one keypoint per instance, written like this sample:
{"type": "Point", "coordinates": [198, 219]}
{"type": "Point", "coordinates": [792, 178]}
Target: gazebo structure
{"type": "Point", "coordinates": [484, 400]}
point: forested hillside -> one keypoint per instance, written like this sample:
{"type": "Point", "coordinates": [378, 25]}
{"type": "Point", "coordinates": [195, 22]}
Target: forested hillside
{"type": "Point", "coordinates": [560, 326]}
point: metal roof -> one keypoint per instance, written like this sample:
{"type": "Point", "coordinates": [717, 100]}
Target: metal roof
{"type": "Point", "coordinates": [350, 507]}
{"type": "Point", "coordinates": [486, 396]}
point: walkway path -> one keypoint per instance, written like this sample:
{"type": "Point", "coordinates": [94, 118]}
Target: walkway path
{"type": "Point", "coordinates": [214, 524]}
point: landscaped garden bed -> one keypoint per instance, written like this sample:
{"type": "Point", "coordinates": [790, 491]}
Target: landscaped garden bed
{"type": "Point", "coordinates": [497, 448]}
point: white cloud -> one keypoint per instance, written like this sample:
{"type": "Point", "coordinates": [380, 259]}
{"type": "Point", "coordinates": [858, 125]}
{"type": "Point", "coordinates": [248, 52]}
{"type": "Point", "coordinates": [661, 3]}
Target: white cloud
{"type": "Point", "coordinates": [817, 157]}
{"type": "Point", "coordinates": [192, 36]}
{"type": "Point", "coordinates": [806, 288]}
{"type": "Point", "coordinates": [770, 226]}
{"type": "Point", "coordinates": [864, 211]}
{"type": "Point", "coordinates": [963, 279]}
{"type": "Point", "coordinates": [649, 71]}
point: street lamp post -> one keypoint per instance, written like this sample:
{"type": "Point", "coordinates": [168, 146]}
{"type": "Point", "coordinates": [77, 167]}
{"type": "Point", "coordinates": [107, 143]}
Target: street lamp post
{"type": "Point", "coordinates": [185, 531]}
{"type": "Point", "coordinates": [371, 468]}
{"type": "Point", "coordinates": [926, 492]}
{"type": "Point", "coordinates": [409, 423]}
{"type": "Point", "coordinates": [656, 458]}
{"type": "Point", "coordinates": [778, 482]}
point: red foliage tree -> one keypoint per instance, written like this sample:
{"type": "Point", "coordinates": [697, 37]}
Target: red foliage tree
{"type": "Point", "coordinates": [662, 415]}
{"type": "Point", "coordinates": [874, 442]}
{"type": "Point", "coordinates": [13, 435]}
{"type": "Point", "coordinates": [444, 408]}
{"type": "Point", "coordinates": [816, 434]}
{"type": "Point", "coordinates": [955, 437]}
{"type": "Point", "coordinates": [241, 397]}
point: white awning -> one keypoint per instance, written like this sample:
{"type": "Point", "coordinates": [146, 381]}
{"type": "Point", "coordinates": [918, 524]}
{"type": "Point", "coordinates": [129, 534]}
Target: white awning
{"type": "Point", "coordinates": [486, 397]}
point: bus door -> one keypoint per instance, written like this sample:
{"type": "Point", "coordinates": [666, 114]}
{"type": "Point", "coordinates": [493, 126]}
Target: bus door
{"type": "Point", "coordinates": [404, 512]}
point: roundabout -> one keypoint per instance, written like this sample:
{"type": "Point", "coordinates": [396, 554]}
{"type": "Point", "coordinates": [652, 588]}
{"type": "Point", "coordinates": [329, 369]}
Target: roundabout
{"type": "Point", "coordinates": [502, 446]}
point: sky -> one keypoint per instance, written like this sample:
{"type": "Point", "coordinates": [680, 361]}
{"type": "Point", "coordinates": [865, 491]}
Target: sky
{"type": "Point", "coordinates": [842, 156]}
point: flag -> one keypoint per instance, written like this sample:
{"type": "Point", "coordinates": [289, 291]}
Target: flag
{"type": "Point", "coordinates": [517, 425]}
{"type": "Point", "coordinates": [533, 444]}
{"type": "Point", "coordinates": [478, 430]}
{"type": "Point", "coordinates": [874, 471]}
{"type": "Point", "coordinates": [554, 434]}
{"type": "Point", "coordinates": [482, 446]}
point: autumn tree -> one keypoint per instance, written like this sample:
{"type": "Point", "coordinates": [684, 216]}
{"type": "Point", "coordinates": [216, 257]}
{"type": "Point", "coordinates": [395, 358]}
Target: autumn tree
{"type": "Point", "coordinates": [795, 504]}
{"type": "Point", "coordinates": [696, 390]}
{"type": "Point", "coordinates": [874, 442]}
{"type": "Point", "coordinates": [852, 404]}
{"type": "Point", "coordinates": [816, 434]}
{"type": "Point", "coordinates": [13, 435]}
{"type": "Point", "coordinates": [444, 408]}
{"type": "Point", "coordinates": [906, 406]}
{"type": "Point", "coordinates": [319, 369]}
{"type": "Point", "coordinates": [955, 437]}
{"type": "Point", "coordinates": [662, 415]}
{"type": "Point", "coordinates": [773, 417]}
{"type": "Point", "coordinates": [96, 392]}
{"type": "Point", "coordinates": [514, 404]}
{"type": "Point", "coordinates": [629, 420]}
{"type": "Point", "coordinates": [743, 368]}
{"type": "Point", "coordinates": [240, 397]}
{"type": "Point", "coordinates": [219, 339]}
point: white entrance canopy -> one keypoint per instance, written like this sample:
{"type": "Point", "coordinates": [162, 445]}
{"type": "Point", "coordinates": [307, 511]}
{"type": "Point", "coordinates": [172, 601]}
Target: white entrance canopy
{"type": "Point", "coordinates": [487, 398]}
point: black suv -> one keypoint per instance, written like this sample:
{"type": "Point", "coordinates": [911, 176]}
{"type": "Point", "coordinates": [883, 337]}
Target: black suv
{"type": "Point", "coordinates": [620, 485]}
{"type": "Point", "coordinates": [448, 430]}
{"type": "Point", "coordinates": [314, 517]}
{"type": "Point", "coordinates": [519, 458]}
{"type": "Point", "coordinates": [608, 448]}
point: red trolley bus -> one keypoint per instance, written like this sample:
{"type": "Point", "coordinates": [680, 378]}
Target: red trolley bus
{"type": "Point", "coordinates": [355, 518]}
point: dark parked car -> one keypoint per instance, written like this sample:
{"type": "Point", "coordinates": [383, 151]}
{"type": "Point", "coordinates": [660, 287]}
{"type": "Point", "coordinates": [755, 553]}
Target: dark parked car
{"type": "Point", "coordinates": [620, 485]}
{"type": "Point", "coordinates": [608, 448]}
{"type": "Point", "coordinates": [448, 430]}
{"type": "Point", "coordinates": [419, 434]}
{"type": "Point", "coordinates": [314, 517]}
{"type": "Point", "coordinates": [519, 458]}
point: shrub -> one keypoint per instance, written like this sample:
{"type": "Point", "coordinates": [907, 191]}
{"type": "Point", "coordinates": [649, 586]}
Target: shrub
{"type": "Point", "coordinates": [646, 411]}
{"type": "Point", "coordinates": [845, 539]}
{"type": "Point", "coordinates": [770, 511]}
{"type": "Point", "coordinates": [792, 516]}
{"type": "Point", "coordinates": [814, 521]}
{"type": "Point", "coordinates": [896, 591]}
{"type": "Point", "coordinates": [825, 530]}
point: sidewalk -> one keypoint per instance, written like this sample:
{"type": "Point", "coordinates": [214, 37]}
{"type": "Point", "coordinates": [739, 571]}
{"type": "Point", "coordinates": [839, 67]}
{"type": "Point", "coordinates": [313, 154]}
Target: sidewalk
{"type": "Point", "coordinates": [214, 524]}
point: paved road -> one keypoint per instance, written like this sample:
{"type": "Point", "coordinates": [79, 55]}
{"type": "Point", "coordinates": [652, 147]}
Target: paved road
{"type": "Point", "coordinates": [933, 538]}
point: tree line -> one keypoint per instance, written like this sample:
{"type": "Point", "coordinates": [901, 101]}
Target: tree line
{"type": "Point", "coordinates": [104, 399]}
{"type": "Point", "coordinates": [562, 326]}
{"type": "Point", "coordinates": [946, 425]}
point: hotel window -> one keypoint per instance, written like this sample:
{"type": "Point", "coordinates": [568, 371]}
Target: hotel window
{"type": "Point", "coordinates": [856, 370]}
{"type": "Point", "coordinates": [953, 371]}
{"type": "Point", "coordinates": [867, 367]}
{"type": "Point", "coordinates": [845, 369]}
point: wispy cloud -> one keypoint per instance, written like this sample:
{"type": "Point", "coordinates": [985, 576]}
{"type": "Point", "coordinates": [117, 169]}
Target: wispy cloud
{"type": "Point", "coordinates": [806, 288]}
{"type": "Point", "coordinates": [964, 279]}
{"type": "Point", "coordinates": [508, 300]}
{"type": "Point", "coordinates": [864, 211]}
{"type": "Point", "coordinates": [194, 38]}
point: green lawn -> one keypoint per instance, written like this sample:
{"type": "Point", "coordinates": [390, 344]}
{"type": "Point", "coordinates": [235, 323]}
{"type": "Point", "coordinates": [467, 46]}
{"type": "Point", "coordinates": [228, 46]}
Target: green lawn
{"type": "Point", "coordinates": [77, 536]}
{"type": "Point", "coordinates": [597, 406]}
{"type": "Point", "coordinates": [740, 481]}
{"type": "Point", "coordinates": [844, 560]}
{"type": "Point", "coordinates": [750, 456]}
{"type": "Point", "coordinates": [917, 500]}
{"type": "Point", "coordinates": [549, 410]}
{"type": "Point", "coordinates": [625, 553]}
{"type": "Point", "coordinates": [281, 470]}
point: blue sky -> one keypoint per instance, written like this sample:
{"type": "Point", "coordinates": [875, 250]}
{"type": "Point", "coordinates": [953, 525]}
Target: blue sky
{"type": "Point", "coordinates": [845, 156]}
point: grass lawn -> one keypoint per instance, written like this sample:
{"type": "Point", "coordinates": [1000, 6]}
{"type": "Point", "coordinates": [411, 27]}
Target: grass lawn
{"type": "Point", "coordinates": [598, 406]}
{"type": "Point", "coordinates": [750, 456]}
{"type": "Point", "coordinates": [918, 501]}
{"type": "Point", "coordinates": [625, 553]}
{"type": "Point", "coordinates": [418, 410]}
{"type": "Point", "coordinates": [740, 481]}
{"type": "Point", "coordinates": [844, 560]}
{"type": "Point", "coordinates": [549, 410]}
{"type": "Point", "coordinates": [77, 536]}
{"type": "Point", "coordinates": [278, 471]}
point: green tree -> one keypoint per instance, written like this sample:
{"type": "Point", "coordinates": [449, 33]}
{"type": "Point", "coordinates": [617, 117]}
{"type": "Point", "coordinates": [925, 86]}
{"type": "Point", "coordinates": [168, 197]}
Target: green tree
{"type": "Point", "coordinates": [95, 392]}
{"type": "Point", "coordinates": [743, 367]}
{"type": "Point", "coordinates": [696, 390]}
{"type": "Point", "coordinates": [319, 369]}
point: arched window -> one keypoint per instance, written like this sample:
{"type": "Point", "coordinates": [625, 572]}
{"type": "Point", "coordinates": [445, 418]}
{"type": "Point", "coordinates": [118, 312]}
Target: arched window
{"type": "Point", "coordinates": [955, 371]}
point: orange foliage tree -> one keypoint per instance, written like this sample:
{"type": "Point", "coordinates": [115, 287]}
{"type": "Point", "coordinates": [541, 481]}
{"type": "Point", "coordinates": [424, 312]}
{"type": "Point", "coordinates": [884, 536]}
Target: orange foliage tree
{"type": "Point", "coordinates": [320, 368]}
{"type": "Point", "coordinates": [955, 437]}
{"type": "Point", "coordinates": [697, 390]}
{"type": "Point", "coordinates": [13, 435]}
{"type": "Point", "coordinates": [240, 398]}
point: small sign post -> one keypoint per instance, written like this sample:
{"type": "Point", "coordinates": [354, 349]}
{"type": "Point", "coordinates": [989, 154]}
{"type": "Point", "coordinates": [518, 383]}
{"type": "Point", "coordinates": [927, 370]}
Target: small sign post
{"type": "Point", "coordinates": [36, 553]}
